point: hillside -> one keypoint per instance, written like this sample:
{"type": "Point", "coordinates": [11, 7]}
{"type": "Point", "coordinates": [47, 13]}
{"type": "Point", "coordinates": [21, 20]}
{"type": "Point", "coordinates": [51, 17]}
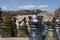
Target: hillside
{"type": "Point", "coordinates": [20, 12]}
{"type": "Point", "coordinates": [28, 12]}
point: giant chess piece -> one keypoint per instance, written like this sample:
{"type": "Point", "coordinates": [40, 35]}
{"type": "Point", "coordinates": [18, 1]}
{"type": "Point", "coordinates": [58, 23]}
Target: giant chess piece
{"type": "Point", "coordinates": [26, 27]}
{"type": "Point", "coordinates": [52, 35]}
{"type": "Point", "coordinates": [0, 16]}
{"type": "Point", "coordinates": [58, 27]}
{"type": "Point", "coordinates": [0, 21]}
{"type": "Point", "coordinates": [35, 33]}
{"type": "Point", "coordinates": [13, 28]}
{"type": "Point", "coordinates": [45, 26]}
{"type": "Point", "coordinates": [22, 30]}
{"type": "Point", "coordinates": [6, 26]}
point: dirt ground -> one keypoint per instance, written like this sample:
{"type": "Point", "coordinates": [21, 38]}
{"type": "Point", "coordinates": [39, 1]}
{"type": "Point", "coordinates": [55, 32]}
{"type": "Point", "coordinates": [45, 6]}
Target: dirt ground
{"type": "Point", "coordinates": [14, 38]}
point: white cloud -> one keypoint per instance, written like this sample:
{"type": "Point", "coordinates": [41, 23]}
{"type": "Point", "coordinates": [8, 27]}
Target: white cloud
{"type": "Point", "coordinates": [32, 6]}
{"type": "Point", "coordinates": [4, 8]}
{"type": "Point", "coordinates": [42, 6]}
{"type": "Point", "coordinates": [27, 6]}
{"type": "Point", "coordinates": [10, 9]}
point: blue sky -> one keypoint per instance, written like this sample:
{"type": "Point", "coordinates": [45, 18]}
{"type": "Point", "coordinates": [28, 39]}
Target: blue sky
{"type": "Point", "coordinates": [45, 5]}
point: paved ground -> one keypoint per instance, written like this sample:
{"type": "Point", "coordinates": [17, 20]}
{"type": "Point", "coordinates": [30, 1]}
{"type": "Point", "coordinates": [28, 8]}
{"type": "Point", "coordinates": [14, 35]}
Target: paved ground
{"type": "Point", "coordinates": [14, 38]}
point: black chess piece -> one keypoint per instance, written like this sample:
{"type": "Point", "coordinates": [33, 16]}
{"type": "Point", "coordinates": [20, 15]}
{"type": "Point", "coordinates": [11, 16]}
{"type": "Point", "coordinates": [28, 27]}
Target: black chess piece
{"type": "Point", "coordinates": [57, 26]}
{"type": "Point", "coordinates": [35, 32]}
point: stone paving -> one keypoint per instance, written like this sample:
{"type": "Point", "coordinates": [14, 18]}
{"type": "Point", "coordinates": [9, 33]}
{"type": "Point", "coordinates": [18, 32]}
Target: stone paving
{"type": "Point", "coordinates": [15, 38]}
